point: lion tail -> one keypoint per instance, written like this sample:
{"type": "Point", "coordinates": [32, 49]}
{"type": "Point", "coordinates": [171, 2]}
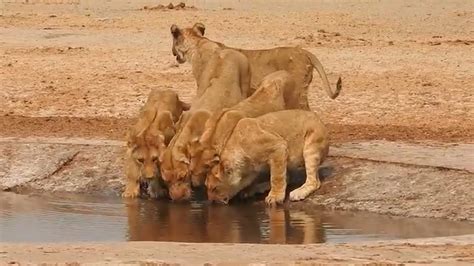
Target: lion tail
{"type": "Point", "coordinates": [319, 67]}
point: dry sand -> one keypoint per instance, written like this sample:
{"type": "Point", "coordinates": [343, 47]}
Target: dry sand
{"type": "Point", "coordinates": [406, 69]}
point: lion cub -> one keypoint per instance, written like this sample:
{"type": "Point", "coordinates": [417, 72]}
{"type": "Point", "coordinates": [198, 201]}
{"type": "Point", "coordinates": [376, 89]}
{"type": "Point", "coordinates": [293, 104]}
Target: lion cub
{"type": "Point", "coordinates": [278, 141]}
{"type": "Point", "coordinates": [147, 139]}
{"type": "Point", "coordinates": [275, 93]}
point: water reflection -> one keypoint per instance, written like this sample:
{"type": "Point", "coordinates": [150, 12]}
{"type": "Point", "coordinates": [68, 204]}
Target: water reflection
{"type": "Point", "coordinates": [53, 218]}
{"type": "Point", "coordinates": [201, 222]}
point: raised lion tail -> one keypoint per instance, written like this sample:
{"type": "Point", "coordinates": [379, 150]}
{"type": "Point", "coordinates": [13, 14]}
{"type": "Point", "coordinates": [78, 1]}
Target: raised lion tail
{"type": "Point", "coordinates": [319, 67]}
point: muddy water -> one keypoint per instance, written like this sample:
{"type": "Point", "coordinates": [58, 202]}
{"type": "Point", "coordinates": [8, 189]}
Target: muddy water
{"type": "Point", "coordinates": [37, 218]}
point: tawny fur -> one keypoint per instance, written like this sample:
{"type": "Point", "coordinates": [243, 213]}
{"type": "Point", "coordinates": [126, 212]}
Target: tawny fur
{"type": "Point", "coordinates": [276, 141]}
{"type": "Point", "coordinates": [297, 61]}
{"type": "Point", "coordinates": [223, 81]}
{"type": "Point", "coordinates": [275, 93]}
{"type": "Point", "coordinates": [148, 138]}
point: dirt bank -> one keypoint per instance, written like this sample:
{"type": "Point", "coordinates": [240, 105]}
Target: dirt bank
{"type": "Point", "coordinates": [115, 128]}
{"type": "Point", "coordinates": [450, 250]}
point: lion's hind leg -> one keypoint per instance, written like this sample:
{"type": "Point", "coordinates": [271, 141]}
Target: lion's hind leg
{"type": "Point", "coordinates": [312, 153]}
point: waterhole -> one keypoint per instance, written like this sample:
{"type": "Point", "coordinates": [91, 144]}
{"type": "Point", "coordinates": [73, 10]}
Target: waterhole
{"type": "Point", "coordinates": [42, 218]}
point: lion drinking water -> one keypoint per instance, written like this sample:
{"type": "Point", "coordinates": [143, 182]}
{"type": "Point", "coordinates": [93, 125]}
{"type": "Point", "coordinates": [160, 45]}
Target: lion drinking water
{"type": "Point", "coordinates": [148, 138]}
{"type": "Point", "coordinates": [279, 141]}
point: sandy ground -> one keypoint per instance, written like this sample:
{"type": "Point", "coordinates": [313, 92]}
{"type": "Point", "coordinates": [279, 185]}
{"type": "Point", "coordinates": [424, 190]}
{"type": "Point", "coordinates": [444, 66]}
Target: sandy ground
{"type": "Point", "coordinates": [406, 73]}
{"type": "Point", "coordinates": [447, 251]}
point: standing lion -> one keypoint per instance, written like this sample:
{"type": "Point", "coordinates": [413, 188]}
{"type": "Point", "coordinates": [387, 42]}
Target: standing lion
{"type": "Point", "coordinates": [297, 61]}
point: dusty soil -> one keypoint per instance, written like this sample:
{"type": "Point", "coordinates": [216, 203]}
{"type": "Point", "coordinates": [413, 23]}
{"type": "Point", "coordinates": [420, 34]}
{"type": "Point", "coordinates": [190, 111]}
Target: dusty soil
{"type": "Point", "coordinates": [447, 251]}
{"type": "Point", "coordinates": [404, 66]}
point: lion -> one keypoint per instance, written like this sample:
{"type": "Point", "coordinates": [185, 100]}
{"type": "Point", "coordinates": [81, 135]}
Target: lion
{"type": "Point", "coordinates": [147, 139]}
{"type": "Point", "coordinates": [276, 141]}
{"type": "Point", "coordinates": [228, 83]}
{"type": "Point", "coordinates": [275, 93]}
{"type": "Point", "coordinates": [297, 61]}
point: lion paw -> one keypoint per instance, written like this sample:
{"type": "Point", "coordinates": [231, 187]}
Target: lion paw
{"type": "Point", "coordinates": [131, 192]}
{"type": "Point", "coordinates": [301, 193]}
{"type": "Point", "coordinates": [128, 194]}
{"type": "Point", "coordinates": [275, 198]}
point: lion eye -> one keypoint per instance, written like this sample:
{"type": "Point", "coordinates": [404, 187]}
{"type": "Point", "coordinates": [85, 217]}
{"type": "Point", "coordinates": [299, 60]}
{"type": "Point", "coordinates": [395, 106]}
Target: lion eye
{"type": "Point", "coordinates": [154, 158]}
{"type": "Point", "coordinates": [141, 160]}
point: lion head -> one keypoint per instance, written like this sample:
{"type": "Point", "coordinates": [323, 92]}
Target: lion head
{"type": "Point", "coordinates": [217, 187]}
{"type": "Point", "coordinates": [184, 39]}
{"type": "Point", "coordinates": [175, 162]}
{"type": "Point", "coordinates": [147, 140]}
{"type": "Point", "coordinates": [227, 178]}
{"type": "Point", "coordinates": [175, 175]}
{"type": "Point", "coordinates": [201, 163]}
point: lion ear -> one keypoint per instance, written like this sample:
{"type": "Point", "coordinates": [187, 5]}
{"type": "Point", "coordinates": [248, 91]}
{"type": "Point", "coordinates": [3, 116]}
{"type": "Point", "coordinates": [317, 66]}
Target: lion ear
{"type": "Point", "coordinates": [199, 29]}
{"type": "Point", "coordinates": [175, 31]}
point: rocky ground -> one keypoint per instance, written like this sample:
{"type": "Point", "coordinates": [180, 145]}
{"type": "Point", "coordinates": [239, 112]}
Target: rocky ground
{"type": "Point", "coordinates": [419, 182]}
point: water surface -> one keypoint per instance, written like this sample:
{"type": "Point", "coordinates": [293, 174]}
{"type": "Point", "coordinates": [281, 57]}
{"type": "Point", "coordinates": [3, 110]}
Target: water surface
{"type": "Point", "coordinates": [40, 218]}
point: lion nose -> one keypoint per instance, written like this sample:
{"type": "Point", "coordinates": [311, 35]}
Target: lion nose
{"type": "Point", "coordinates": [225, 200]}
{"type": "Point", "coordinates": [149, 175]}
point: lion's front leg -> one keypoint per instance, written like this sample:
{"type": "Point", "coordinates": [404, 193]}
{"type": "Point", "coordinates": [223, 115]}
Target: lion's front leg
{"type": "Point", "coordinates": [278, 164]}
{"type": "Point", "coordinates": [132, 188]}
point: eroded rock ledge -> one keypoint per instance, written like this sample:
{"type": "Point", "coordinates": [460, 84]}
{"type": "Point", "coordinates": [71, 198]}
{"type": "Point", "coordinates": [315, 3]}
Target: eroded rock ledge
{"type": "Point", "coordinates": [419, 180]}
